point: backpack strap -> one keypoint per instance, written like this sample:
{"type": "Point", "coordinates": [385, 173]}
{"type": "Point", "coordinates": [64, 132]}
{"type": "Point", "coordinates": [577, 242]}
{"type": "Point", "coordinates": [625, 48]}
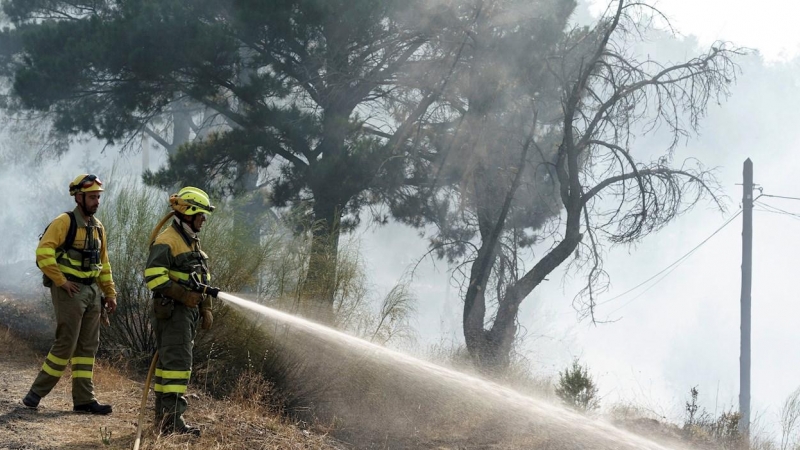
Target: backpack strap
{"type": "Point", "coordinates": [71, 232]}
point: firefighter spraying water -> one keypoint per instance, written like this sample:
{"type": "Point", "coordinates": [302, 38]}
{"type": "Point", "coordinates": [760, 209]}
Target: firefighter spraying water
{"type": "Point", "coordinates": [177, 273]}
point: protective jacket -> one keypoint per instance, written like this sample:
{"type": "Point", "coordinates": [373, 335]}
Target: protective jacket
{"type": "Point", "coordinates": [77, 317]}
{"type": "Point", "coordinates": [174, 256]}
{"type": "Point", "coordinates": [58, 263]}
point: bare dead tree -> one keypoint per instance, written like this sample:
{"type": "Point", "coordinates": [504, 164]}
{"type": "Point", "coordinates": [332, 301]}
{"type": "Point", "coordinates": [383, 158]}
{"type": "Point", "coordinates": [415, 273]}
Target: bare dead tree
{"type": "Point", "coordinates": [608, 194]}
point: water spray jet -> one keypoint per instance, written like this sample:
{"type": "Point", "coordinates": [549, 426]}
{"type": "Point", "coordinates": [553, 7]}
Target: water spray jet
{"type": "Point", "coordinates": [519, 412]}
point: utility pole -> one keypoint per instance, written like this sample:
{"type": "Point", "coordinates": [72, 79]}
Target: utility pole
{"type": "Point", "coordinates": [747, 278]}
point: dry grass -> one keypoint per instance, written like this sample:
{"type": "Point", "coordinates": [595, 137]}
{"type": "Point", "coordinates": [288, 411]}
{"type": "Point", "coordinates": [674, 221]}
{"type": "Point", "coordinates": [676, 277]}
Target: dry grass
{"type": "Point", "coordinates": [10, 348]}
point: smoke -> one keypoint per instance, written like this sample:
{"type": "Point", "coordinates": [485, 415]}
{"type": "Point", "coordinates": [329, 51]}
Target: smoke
{"type": "Point", "coordinates": [34, 181]}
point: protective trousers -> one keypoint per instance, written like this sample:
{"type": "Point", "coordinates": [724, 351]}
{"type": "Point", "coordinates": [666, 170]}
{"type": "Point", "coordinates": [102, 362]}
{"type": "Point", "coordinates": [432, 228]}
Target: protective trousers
{"type": "Point", "coordinates": [174, 340]}
{"type": "Point", "coordinates": [77, 340]}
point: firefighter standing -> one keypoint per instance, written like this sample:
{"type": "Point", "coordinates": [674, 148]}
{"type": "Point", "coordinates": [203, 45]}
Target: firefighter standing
{"type": "Point", "coordinates": [175, 260]}
{"type": "Point", "coordinates": [78, 274]}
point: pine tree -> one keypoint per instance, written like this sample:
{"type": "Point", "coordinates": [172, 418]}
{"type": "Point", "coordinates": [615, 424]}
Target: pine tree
{"type": "Point", "coordinates": [577, 388]}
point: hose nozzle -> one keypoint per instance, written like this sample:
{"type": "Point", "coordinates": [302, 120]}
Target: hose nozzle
{"type": "Point", "coordinates": [196, 284]}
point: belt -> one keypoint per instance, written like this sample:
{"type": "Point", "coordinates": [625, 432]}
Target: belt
{"type": "Point", "coordinates": [86, 281]}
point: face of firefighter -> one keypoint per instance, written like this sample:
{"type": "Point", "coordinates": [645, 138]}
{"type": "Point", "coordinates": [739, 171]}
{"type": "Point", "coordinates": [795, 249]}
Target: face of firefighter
{"type": "Point", "coordinates": [90, 201]}
{"type": "Point", "coordinates": [197, 221]}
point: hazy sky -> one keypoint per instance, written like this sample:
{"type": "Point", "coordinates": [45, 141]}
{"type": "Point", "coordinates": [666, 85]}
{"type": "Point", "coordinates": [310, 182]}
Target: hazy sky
{"type": "Point", "coordinates": [768, 25]}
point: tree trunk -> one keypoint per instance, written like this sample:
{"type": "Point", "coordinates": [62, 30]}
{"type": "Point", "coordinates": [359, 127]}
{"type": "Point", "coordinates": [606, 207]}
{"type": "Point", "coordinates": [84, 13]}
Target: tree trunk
{"type": "Point", "coordinates": [247, 212]}
{"type": "Point", "coordinates": [489, 213]}
{"type": "Point", "coordinates": [331, 192]}
{"type": "Point", "coordinates": [475, 305]}
{"type": "Point", "coordinates": [181, 125]}
{"type": "Point", "coordinates": [490, 349]}
{"type": "Point", "coordinates": [501, 335]}
{"type": "Point", "coordinates": [318, 288]}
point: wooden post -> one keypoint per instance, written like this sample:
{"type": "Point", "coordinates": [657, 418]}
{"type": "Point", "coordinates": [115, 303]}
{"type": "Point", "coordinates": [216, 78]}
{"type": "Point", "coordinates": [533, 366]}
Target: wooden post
{"type": "Point", "coordinates": [747, 266]}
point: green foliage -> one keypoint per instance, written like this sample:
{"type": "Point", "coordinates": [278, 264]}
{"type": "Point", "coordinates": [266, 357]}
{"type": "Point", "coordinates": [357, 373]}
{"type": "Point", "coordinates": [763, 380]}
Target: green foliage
{"type": "Point", "coordinates": [122, 56]}
{"type": "Point", "coordinates": [282, 83]}
{"type": "Point", "coordinates": [128, 213]}
{"type": "Point", "coordinates": [577, 389]}
{"type": "Point", "coordinates": [114, 66]}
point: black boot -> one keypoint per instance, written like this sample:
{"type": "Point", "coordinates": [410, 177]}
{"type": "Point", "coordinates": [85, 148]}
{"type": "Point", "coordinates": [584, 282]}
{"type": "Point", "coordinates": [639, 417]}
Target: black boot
{"type": "Point", "coordinates": [31, 400]}
{"type": "Point", "coordinates": [188, 429]}
{"type": "Point", "coordinates": [93, 408]}
{"type": "Point", "coordinates": [171, 428]}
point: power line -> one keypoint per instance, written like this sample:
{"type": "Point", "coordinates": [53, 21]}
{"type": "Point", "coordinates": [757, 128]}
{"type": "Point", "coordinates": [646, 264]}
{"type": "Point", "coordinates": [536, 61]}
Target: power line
{"type": "Point", "coordinates": [780, 196]}
{"type": "Point", "coordinates": [666, 270]}
{"type": "Point", "coordinates": [663, 273]}
{"type": "Point", "coordinates": [773, 209]}
{"type": "Point", "coordinates": [769, 211]}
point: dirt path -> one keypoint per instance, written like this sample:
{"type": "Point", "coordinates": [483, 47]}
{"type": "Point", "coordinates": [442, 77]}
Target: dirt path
{"type": "Point", "coordinates": [53, 425]}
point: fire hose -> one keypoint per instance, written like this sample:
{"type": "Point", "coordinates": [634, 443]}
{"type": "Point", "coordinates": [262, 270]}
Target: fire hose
{"type": "Point", "coordinates": [145, 391]}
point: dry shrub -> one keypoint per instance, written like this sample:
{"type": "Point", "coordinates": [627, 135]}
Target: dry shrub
{"type": "Point", "coordinates": [642, 421]}
{"type": "Point", "coordinates": [252, 390]}
{"type": "Point", "coordinates": [239, 349]}
{"type": "Point", "coordinates": [129, 213]}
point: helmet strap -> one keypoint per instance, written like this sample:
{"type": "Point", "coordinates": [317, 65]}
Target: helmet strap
{"type": "Point", "coordinates": [188, 220]}
{"type": "Point", "coordinates": [191, 223]}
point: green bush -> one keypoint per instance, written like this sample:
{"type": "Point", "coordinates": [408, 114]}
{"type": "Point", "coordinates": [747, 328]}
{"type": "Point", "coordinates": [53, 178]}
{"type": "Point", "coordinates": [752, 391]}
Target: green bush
{"type": "Point", "coordinates": [129, 213]}
{"type": "Point", "coordinates": [577, 389]}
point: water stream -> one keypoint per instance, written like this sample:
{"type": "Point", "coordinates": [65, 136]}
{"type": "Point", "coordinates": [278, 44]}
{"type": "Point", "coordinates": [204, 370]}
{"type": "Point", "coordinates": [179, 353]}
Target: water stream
{"type": "Point", "coordinates": [476, 406]}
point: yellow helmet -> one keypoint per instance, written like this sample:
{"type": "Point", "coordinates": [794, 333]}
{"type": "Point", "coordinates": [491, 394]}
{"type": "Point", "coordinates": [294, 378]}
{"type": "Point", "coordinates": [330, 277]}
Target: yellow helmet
{"type": "Point", "coordinates": [191, 201]}
{"type": "Point", "coordinates": [85, 183]}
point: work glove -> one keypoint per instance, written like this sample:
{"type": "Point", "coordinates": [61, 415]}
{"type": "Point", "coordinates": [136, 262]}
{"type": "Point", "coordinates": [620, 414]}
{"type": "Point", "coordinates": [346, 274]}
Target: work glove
{"type": "Point", "coordinates": [208, 319]}
{"type": "Point", "coordinates": [190, 299]}
{"type": "Point", "coordinates": [104, 313]}
{"type": "Point", "coordinates": [110, 305]}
